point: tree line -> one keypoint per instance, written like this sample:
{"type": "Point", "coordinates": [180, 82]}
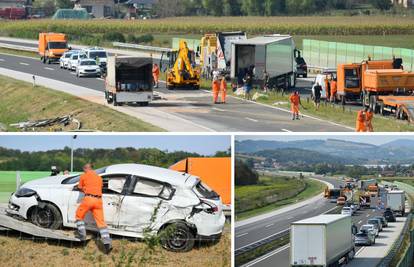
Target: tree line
{"type": "Point", "coordinates": [167, 8]}
{"type": "Point", "coordinates": [12, 160]}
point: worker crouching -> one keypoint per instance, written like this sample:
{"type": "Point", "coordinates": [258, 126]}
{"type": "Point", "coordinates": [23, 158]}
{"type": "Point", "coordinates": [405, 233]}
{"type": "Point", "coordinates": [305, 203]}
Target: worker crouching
{"type": "Point", "coordinates": [90, 184]}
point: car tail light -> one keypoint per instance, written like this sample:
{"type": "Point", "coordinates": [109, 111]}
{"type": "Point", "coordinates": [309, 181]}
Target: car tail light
{"type": "Point", "coordinates": [207, 207]}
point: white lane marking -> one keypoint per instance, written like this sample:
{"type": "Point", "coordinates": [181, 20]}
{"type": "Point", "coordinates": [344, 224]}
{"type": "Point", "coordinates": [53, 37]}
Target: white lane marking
{"type": "Point", "coordinates": [286, 130]}
{"type": "Point", "coordinates": [100, 79]}
{"type": "Point", "coordinates": [23, 63]}
{"type": "Point", "coordinates": [219, 109]}
{"type": "Point", "coordinates": [47, 68]}
{"type": "Point", "coordinates": [367, 215]}
{"type": "Point", "coordinates": [250, 119]}
{"type": "Point", "coordinates": [270, 254]}
{"type": "Point", "coordinates": [269, 225]}
{"type": "Point", "coordinates": [360, 222]}
{"type": "Point", "coordinates": [263, 238]}
{"type": "Point", "coordinates": [240, 235]}
{"type": "Point", "coordinates": [2, 59]}
{"type": "Point", "coordinates": [290, 218]}
{"type": "Point", "coordinates": [72, 73]}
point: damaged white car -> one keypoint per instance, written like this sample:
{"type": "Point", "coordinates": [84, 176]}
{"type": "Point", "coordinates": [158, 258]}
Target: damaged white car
{"type": "Point", "coordinates": [138, 200]}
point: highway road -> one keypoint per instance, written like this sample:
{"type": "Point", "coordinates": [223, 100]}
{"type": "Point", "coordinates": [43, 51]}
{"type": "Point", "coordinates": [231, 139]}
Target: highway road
{"type": "Point", "coordinates": [248, 234]}
{"type": "Point", "coordinates": [195, 106]}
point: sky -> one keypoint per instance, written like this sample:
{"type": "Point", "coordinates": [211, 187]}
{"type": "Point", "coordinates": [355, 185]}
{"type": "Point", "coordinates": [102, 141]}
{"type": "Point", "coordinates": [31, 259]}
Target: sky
{"type": "Point", "coordinates": [368, 139]}
{"type": "Point", "coordinates": [205, 145]}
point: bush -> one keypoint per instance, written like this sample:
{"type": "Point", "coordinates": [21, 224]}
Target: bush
{"type": "Point", "coordinates": [147, 38]}
{"type": "Point", "coordinates": [114, 37]}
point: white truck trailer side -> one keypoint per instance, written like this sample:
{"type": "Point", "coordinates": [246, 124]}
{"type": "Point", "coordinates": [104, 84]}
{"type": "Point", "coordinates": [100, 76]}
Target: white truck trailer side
{"type": "Point", "coordinates": [274, 54]}
{"type": "Point", "coordinates": [323, 240]}
{"type": "Point", "coordinates": [396, 201]}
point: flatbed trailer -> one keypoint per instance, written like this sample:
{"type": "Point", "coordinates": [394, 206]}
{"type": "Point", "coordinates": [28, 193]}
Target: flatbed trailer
{"type": "Point", "coordinates": [402, 107]}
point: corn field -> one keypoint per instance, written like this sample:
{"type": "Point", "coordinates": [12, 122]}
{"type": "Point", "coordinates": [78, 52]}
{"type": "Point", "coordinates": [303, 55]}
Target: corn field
{"type": "Point", "coordinates": [340, 25]}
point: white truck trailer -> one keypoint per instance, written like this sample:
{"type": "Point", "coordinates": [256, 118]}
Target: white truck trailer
{"type": "Point", "coordinates": [129, 80]}
{"type": "Point", "coordinates": [396, 201]}
{"type": "Point", "coordinates": [274, 54]}
{"type": "Point", "coordinates": [324, 240]}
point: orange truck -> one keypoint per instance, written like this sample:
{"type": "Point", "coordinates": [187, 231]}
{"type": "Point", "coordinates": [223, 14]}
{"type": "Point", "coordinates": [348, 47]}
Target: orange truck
{"type": "Point", "coordinates": [213, 171]}
{"type": "Point", "coordinates": [52, 46]}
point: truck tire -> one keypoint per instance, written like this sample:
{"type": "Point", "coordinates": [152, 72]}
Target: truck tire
{"type": "Point", "coordinates": [365, 99]}
{"type": "Point", "coordinates": [382, 110]}
{"type": "Point", "coordinates": [43, 59]}
{"type": "Point", "coordinates": [114, 100]}
{"type": "Point", "coordinates": [170, 87]}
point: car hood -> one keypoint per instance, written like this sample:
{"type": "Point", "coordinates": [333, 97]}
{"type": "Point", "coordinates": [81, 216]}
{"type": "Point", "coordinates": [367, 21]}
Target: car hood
{"type": "Point", "coordinates": [51, 181]}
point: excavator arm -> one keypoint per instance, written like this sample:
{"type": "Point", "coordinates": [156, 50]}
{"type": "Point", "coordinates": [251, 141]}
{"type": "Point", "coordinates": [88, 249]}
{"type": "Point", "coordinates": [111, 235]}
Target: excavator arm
{"type": "Point", "coordinates": [183, 59]}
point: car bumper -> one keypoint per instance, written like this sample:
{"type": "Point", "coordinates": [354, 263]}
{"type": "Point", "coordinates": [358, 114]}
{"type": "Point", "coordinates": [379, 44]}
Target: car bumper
{"type": "Point", "coordinates": [209, 225]}
{"type": "Point", "coordinates": [89, 73]}
{"type": "Point", "coordinates": [20, 205]}
{"type": "Point", "coordinates": [209, 238]}
{"type": "Point", "coordinates": [362, 243]}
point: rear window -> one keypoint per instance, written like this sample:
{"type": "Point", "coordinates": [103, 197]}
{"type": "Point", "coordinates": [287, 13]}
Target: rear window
{"type": "Point", "coordinates": [75, 179]}
{"type": "Point", "coordinates": [361, 235]}
{"type": "Point", "coordinates": [205, 191]}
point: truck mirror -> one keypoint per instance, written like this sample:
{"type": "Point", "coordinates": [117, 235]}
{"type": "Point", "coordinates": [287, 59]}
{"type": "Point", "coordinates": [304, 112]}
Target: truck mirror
{"type": "Point", "coordinates": [354, 229]}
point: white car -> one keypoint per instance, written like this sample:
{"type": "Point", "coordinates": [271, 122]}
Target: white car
{"type": "Point", "coordinates": [346, 211]}
{"type": "Point", "coordinates": [137, 199]}
{"type": "Point", "coordinates": [99, 54]}
{"type": "Point", "coordinates": [370, 228]}
{"type": "Point", "coordinates": [88, 67]}
{"type": "Point", "coordinates": [64, 59]}
{"type": "Point", "coordinates": [74, 60]}
{"type": "Point", "coordinates": [320, 78]}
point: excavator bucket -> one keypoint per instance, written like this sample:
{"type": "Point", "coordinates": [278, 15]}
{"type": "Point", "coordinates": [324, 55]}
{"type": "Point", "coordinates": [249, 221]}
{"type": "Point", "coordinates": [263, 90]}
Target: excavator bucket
{"type": "Point", "coordinates": [9, 223]}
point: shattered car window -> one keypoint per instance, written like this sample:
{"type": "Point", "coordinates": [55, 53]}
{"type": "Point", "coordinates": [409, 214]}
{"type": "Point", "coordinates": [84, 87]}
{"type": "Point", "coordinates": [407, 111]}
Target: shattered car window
{"type": "Point", "coordinates": [115, 184]}
{"type": "Point", "coordinates": [149, 188]}
{"type": "Point", "coordinates": [75, 179]}
{"type": "Point", "coordinates": [205, 191]}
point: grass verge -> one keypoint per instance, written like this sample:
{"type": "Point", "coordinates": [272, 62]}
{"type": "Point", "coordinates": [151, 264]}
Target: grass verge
{"type": "Point", "coordinates": [21, 102]}
{"type": "Point", "coordinates": [294, 190]}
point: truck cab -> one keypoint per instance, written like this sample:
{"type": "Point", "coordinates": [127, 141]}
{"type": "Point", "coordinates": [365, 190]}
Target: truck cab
{"type": "Point", "coordinates": [349, 82]}
{"type": "Point", "coordinates": [52, 46]}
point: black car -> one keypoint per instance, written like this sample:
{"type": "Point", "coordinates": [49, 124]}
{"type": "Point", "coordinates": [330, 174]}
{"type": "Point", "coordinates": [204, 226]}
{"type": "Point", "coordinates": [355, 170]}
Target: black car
{"type": "Point", "coordinates": [389, 215]}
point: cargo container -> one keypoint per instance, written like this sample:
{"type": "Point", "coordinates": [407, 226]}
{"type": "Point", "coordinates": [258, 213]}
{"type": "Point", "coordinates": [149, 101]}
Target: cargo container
{"type": "Point", "coordinates": [324, 240]}
{"type": "Point", "coordinates": [215, 172]}
{"type": "Point", "coordinates": [52, 46]}
{"type": "Point", "coordinates": [274, 54]}
{"type": "Point", "coordinates": [129, 80]}
{"type": "Point", "coordinates": [396, 201]}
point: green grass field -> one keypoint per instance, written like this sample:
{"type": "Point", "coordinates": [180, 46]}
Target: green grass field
{"type": "Point", "coordinates": [8, 181]}
{"type": "Point", "coordinates": [272, 193]}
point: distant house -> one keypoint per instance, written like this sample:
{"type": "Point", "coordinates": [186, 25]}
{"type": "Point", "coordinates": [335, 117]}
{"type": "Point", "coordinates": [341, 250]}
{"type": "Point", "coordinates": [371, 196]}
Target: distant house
{"type": "Point", "coordinates": [140, 8]}
{"type": "Point", "coordinates": [26, 4]}
{"type": "Point", "coordinates": [97, 8]}
{"type": "Point", "coordinates": [404, 3]}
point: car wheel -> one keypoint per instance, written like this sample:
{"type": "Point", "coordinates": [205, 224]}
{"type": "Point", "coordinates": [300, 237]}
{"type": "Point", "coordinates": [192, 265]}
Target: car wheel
{"type": "Point", "coordinates": [46, 216]}
{"type": "Point", "coordinates": [177, 237]}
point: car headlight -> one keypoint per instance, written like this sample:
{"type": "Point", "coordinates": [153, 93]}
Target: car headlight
{"type": "Point", "coordinates": [25, 192]}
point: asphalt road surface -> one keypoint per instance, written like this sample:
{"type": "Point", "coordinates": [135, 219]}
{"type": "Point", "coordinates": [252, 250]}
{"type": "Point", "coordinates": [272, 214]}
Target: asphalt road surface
{"type": "Point", "coordinates": [280, 257]}
{"type": "Point", "coordinates": [193, 105]}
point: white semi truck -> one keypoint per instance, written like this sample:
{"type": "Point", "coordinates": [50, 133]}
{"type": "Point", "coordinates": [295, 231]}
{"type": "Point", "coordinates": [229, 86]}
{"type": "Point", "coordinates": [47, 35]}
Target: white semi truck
{"type": "Point", "coordinates": [396, 201]}
{"type": "Point", "coordinates": [274, 54]}
{"type": "Point", "coordinates": [325, 240]}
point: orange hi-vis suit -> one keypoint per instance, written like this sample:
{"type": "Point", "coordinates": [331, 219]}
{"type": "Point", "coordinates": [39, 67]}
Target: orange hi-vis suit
{"type": "Point", "coordinates": [327, 91]}
{"type": "Point", "coordinates": [156, 74]}
{"type": "Point", "coordinates": [368, 117]}
{"type": "Point", "coordinates": [360, 122]}
{"type": "Point", "coordinates": [334, 89]}
{"type": "Point", "coordinates": [216, 90]}
{"type": "Point", "coordinates": [223, 89]}
{"type": "Point", "coordinates": [294, 103]}
{"type": "Point", "coordinates": [91, 185]}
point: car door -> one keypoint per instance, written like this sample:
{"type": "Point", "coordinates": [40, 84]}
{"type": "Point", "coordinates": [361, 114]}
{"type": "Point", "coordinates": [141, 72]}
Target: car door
{"type": "Point", "coordinates": [112, 195]}
{"type": "Point", "coordinates": [144, 205]}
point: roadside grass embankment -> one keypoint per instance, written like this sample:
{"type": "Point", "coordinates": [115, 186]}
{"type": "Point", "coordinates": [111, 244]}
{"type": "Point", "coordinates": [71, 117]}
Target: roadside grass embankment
{"type": "Point", "coordinates": [20, 101]}
{"type": "Point", "coordinates": [273, 192]}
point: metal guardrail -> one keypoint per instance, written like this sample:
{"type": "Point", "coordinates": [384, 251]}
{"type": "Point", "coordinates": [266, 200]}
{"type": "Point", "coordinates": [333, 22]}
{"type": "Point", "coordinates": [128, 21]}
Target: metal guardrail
{"type": "Point", "coordinates": [18, 47]}
{"type": "Point", "coordinates": [385, 262]}
{"type": "Point", "coordinates": [261, 242]}
{"type": "Point", "coordinates": [142, 47]}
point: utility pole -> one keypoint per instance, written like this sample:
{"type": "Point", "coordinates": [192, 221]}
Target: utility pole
{"type": "Point", "coordinates": [71, 153]}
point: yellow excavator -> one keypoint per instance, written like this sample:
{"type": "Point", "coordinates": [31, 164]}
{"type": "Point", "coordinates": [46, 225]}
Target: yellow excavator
{"type": "Point", "coordinates": [182, 72]}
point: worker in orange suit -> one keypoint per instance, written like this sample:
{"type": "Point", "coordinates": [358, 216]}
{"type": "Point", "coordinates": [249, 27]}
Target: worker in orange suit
{"type": "Point", "coordinates": [334, 90]}
{"type": "Point", "coordinates": [294, 104]}
{"type": "Point", "coordinates": [216, 90]}
{"type": "Point", "coordinates": [361, 121]}
{"type": "Point", "coordinates": [223, 89]}
{"type": "Point", "coordinates": [156, 75]}
{"type": "Point", "coordinates": [90, 184]}
{"type": "Point", "coordinates": [369, 115]}
{"type": "Point", "coordinates": [327, 90]}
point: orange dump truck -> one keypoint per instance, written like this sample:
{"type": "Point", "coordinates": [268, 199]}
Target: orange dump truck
{"type": "Point", "coordinates": [215, 172]}
{"type": "Point", "coordinates": [52, 46]}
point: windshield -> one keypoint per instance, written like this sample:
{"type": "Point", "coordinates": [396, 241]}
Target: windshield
{"type": "Point", "coordinates": [100, 54]}
{"type": "Point", "coordinates": [75, 179]}
{"type": "Point", "coordinates": [57, 45]}
{"type": "Point", "coordinates": [366, 228]}
{"type": "Point", "coordinates": [361, 235]}
{"type": "Point", "coordinates": [88, 63]}
{"type": "Point", "coordinates": [68, 55]}
{"type": "Point", "coordinates": [75, 57]}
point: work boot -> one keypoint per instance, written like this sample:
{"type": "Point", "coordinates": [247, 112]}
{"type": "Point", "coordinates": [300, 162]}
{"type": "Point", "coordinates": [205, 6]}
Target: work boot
{"type": "Point", "coordinates": [297, 117]}
{"type": "Point", "coordinates": [106, 240]}
{"type": "Point", "coordinates": [80, 233]}
{"type": "Point", "coordinates": [293, 118]}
